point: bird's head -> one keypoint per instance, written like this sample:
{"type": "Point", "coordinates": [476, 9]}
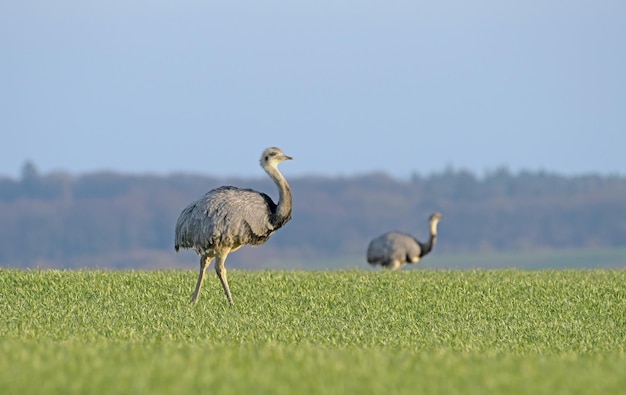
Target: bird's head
{"type": "Point", "coordinates": [272, 156]}
{"type": "Point", "coordinates": [435, 217]}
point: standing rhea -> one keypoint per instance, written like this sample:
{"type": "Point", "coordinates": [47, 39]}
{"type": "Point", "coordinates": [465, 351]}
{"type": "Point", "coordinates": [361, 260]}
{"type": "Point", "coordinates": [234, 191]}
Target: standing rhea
{"type": "Point", "coordinates": [393, 250]}
{"type": "Point", "coordinates": [227, 217]}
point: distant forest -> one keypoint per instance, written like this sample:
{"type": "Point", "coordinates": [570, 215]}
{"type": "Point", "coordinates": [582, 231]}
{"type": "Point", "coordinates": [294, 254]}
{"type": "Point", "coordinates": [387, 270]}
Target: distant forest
{"type": "Point", "coordinates": [110, 220]}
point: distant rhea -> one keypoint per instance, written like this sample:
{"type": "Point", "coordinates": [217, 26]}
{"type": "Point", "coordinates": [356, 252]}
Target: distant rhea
{"type": "Point", "coordinates": [393, 250]}
{"type": "Point", "coordinates": [227, 218]}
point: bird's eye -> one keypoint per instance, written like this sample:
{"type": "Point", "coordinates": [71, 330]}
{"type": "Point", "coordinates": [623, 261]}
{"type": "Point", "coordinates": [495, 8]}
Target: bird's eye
{"type": "Point", "coordinates": [267, 157]}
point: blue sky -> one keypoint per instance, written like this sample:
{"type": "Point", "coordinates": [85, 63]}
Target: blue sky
{"type": "Point", "coordinates": [345, 87]}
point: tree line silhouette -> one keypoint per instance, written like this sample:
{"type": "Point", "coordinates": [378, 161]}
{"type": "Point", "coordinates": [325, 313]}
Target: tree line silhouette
{"type": "Point", "coordinates": [115, 220]}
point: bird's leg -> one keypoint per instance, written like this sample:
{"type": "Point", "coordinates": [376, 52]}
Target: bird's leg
{"type": "Point", "coordinates": [220, 270]}
{"type": "Point", "coordinates": [205, 260]}
{"type": "Point", "coordinates": [395, 265]}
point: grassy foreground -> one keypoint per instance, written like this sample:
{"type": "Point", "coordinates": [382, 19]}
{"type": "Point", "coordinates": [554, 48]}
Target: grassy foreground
{"type": "Point", "coordinates": [330, 332]}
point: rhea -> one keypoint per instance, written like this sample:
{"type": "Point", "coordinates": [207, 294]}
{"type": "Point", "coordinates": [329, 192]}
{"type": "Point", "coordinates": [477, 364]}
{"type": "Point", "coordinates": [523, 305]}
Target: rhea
{"type": "Point", "coordinates": [393, 250]}
{"type": "Point", "coordinates": [226, 218]}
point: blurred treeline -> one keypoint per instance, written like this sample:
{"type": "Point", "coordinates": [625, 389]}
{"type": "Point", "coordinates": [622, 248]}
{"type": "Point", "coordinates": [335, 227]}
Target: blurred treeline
{"type": "Point", "coordinates": [111, 220]}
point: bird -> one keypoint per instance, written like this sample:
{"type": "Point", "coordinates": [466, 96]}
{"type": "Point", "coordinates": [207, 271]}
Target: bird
{"type": "Point", "coordinates": [395, 249]}
{"type": "Point", "coordinates": [228, 217]}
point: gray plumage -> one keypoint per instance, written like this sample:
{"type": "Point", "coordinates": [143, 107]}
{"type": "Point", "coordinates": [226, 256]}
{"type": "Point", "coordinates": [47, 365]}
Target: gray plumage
{"type": "Point", "coordinates": [393, 250]}
{"type": "Point", "coordinates": [228, 217]}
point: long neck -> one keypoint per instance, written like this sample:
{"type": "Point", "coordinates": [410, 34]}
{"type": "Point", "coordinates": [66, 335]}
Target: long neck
{"type": "Point", "coordinates": [428, 246]}
{"type": "Point", "coordinates": [283, 209]}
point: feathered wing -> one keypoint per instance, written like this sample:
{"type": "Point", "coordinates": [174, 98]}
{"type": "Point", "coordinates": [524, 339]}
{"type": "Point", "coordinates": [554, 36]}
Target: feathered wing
{"type": "Point", "coordinates": [227, 216]}
{"type": "Point", "coordinates": [412, 247]}
{"type": "Point", "coordinates": [392, 246]}
{"type": "Point", "coordinates": [377, 251]}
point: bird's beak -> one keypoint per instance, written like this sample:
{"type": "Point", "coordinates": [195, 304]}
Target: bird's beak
{"type": "Point", "coordinates": [285, 157]}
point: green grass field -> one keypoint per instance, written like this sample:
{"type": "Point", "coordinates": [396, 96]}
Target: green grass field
{"type": "Point", "coordinates": [327, 332]}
